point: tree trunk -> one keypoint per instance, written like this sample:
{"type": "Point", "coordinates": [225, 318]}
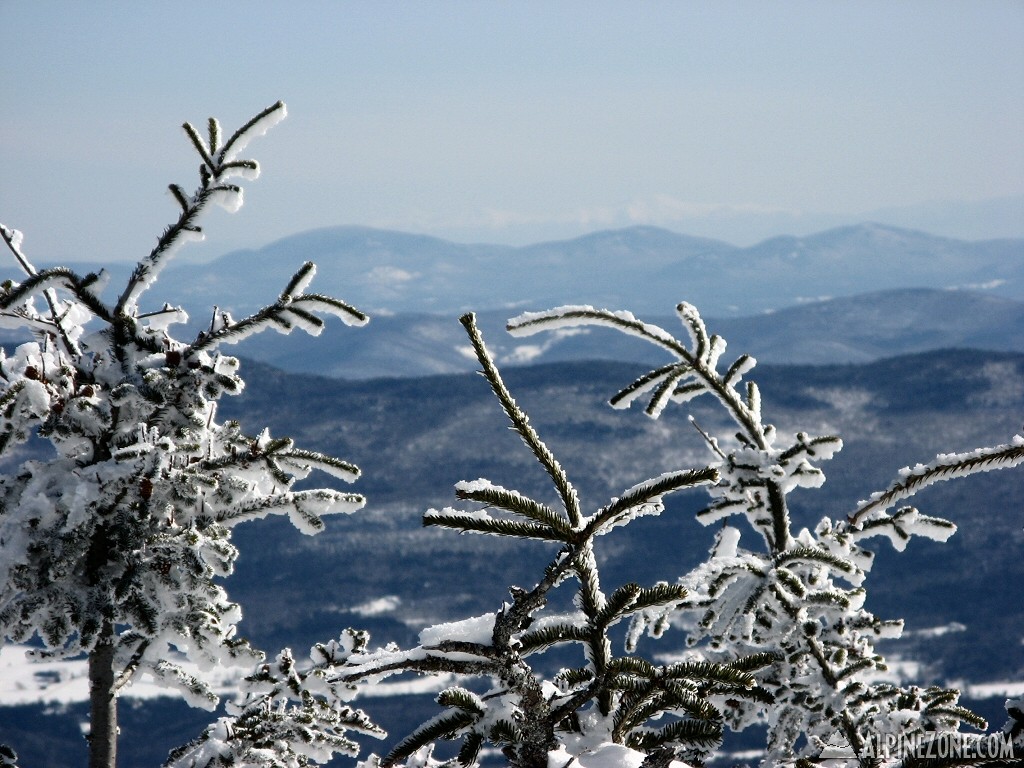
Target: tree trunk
{"type": "Point", "coordinates": [102, 702]}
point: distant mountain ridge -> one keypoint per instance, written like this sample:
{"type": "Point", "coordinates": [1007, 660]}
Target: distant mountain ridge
{"type": "Point", "coordinates": [850, 294]}
{"type": "Point", "coordinates": [644, 268]}
{"type": "Point", "coordinates": [856, 329]}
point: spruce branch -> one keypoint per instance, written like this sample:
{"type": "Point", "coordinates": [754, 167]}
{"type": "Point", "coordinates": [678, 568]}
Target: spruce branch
{"type": "Point", "coordinates": [475, 523]}
{"type": "Point", "coordinates": [460, 698]}
{"type": "Point", "coordinates": [217, 166]}
{"type": "Point", "coordinates": [515, 502]}
{"type": "Point", "coordinates": [128, 527]}
{"type": "Point", "coordinates": [943, 467]}
{"type": "Point", "coordinates": [790, 587]}
{"type": "Point", "coordinates": [258, 125]}
{"type": "Point", "coordinates": [648, 492]}
{"type": "Point", "coordinates": [443, 726]}
{"type": "Point", "coordinates": [521, 423]}
{"type": "Point", "coordinates": [805, 554]}
{"type": "Point", "coordinates": [49, 280]}
{"type": "Point", "coordinates": [289, 311]}
{"type": "Point", "coordinates": [617, 605]}
{"type": "Point", "coordinates": [569, 316]}
{"type": "Point", "coordinates": [8, 757]}
{"type": "Point", "coordinates": [304, 508]}
{"type": "Point", "coordinates": [669, 388]}
{"type": "Point", "coordinates": [641, 386]}
{"type": "Point", "coordinates": [539, 640]}
{"type": "Point", "coordinates": [302, 460]}
{"type": "Point", "coordinates": [661, 595]}
{"type": "Point", "coordinates": [200, 146]}
{"type": "Point", "coordinates": [702, 733]}
{"type": "Point", "coordinates": [512, 639]}
{"type": "Point", "coordinates": [698, 363]}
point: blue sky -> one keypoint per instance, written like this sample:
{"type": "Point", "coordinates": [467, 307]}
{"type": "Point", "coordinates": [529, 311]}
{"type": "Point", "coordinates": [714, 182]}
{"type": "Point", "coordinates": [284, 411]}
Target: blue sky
{"type": "Point", "coordinates": [514, 122]}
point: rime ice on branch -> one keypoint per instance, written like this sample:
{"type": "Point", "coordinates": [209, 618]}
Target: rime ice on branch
{"type": "Point", "coordinates": [112, 546]}
{"type": "Point", "coordinates": [796, 594]}
{"type": "Point", "coordinates": [533, 716]}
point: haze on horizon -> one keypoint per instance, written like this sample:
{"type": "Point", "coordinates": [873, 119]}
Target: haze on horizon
{"type": "Point", "coordinates": [514, 123]}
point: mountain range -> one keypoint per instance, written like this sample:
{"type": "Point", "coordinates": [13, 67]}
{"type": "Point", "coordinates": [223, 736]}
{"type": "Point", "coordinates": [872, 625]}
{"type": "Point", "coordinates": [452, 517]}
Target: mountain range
{"type": "Point", "coordinates": [851, 294]}
{"type": "Point", "coordinates": [645, 269]}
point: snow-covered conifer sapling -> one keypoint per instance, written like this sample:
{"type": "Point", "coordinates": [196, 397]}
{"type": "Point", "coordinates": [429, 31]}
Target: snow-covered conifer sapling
{"type": "Point", "coordinates": [112, 541]}
{"type": "Point", "coordinates": [612, 701]}
{"type": "Point", "coordinates": [798, 595]}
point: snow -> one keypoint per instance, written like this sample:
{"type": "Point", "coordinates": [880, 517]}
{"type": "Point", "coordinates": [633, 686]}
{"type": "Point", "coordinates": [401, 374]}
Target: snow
{"type": "Point", "coordinates": [274, 114]}
{"type": "Point", "coordinates": [67, 681]}
{"type": "Point", "coordinates": [16, 237]}
{"type": "Point", "coordinates": [939, 631]}
{"type": "Point", "coordinates": [898, 671]}
{"type": "Point", "coordinates": [605, 755]}
{"type": "Point", "coordinates": [524, 353]}
{"type": "Point", "coordinates": [415, 686]}
{"type": "Point", "coordinates": [728, 540]}
{"type": "Point", "coordinates": [945, 466]}
{"type": "Point", "coordinates": [227, 197]}
{"type": "Point", "coordinates": [388, 275]}
{"type": "Point", "coordinates": [573, 316]}
{"type": "Point", "coordinates": [476, 486]}
{"type": "Point", "coordinates": [740, 368]}
{"type": "Point", "coordinates": [478, 629]}
{"type": "Point", "coordinates": [987, 285]}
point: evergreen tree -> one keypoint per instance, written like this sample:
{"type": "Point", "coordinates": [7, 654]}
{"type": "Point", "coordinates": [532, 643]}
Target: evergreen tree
{"type": "Point", "coordinates": [112, 544]}
{"type": "Point", "coordinates": [797, 595]}
{"type": "Point", "coordinates": [623, 705]}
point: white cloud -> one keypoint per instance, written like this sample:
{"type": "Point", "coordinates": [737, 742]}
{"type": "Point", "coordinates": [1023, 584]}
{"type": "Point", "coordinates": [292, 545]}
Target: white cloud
{"type": "Point", "coordinates": [659, 209]}
{"type": "Point", "coordinates": [390, 275]}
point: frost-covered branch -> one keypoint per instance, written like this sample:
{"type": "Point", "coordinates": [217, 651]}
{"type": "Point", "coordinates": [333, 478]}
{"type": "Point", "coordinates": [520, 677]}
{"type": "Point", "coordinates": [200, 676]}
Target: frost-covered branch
{"type": "Point", "coordinates": [521, 423]}
{"type": "Point", "coordinates": [800, 600]}
{"type": "Point", "coordinates": [220, 164]}
{"type": "Point", "coordinates": [62, 320]}
{"type": "Point", "coordinates": [609, 698]}
{"type": "Point", "coordinates": [693, 373]}
{"type": "Point", "coordinates": [13, 239]}
{"type": "Point", "coordinates": [293, 309]}
{"type": "Point", "coordinates": [286, 715]}
{"type": "Point", "coordinates": [946, 466]}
